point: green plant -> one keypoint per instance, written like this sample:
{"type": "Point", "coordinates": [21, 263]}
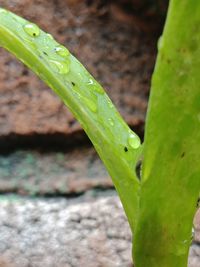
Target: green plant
{"type": "Point", "coordinates": [161, 204]}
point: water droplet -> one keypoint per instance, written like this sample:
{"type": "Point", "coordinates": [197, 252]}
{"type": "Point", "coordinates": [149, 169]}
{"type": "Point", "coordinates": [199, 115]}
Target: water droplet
{"type": "Point", "coordinates": [134, 141]}
{"type": "Point", "coordinates": [110, 103]}
{"type": "Point", "coordinates": [50, 36]}
{"type": "Point", "coordinates": [95, 86]}
{"type": "Point", "coordinates": [111, 122]}
{"type": "Point", "coordinates": [91, 81]}
{"type": "Point", "coordinates": [160, 42]}
{"type": "Point", "coordinates": [61, 67]}
{"type": "Point", "coordinates": [32, 29]}
{"type": "Point", "coordinates": [192, 234]}
{"type": "Point", "coordinates": [62, 51]}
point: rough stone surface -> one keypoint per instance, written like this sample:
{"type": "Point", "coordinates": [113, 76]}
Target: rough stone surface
{"type": "Point", "coordinates": [118, 47]}
{"type": "Point", "coordinates": [194, 259]}
{"type": "Point", "coordinates": [57, 233]}
{"type": "Point", "coordinates": [50, 173]}
{"type": "Point", "coordinates": [67, 233]}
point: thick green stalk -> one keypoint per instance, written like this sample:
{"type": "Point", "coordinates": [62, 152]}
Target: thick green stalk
{"type": "Point", "coordinates": [116, 144]}
{"type": "Point", "coordinates": [171, 169]}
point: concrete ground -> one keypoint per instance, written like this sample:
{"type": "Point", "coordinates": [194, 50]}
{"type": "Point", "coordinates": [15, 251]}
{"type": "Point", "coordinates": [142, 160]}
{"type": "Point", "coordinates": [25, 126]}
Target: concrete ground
{"type": "Point", "coordinates": [55, 232]}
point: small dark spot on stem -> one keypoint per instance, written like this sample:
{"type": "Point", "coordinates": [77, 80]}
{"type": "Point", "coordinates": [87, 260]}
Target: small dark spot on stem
{"type": "Point", "coordinates": [125, 149]}
{"type": "Point", "coordinates": [73, 83]}
{"type": "Point", "coordinates": [34, 34]}
{"type": "Point", "coordinates": [138, 169]}
{"type": "Point", "coordinates": [183, 154]}
{"type": "Point", "coordinates": [198, 202]}
{"type": "Point", "coordinates": [45, 53]}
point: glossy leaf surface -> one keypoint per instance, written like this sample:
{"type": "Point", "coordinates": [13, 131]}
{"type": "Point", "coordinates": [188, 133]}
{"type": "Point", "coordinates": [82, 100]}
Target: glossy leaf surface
{"type": "Point", "coordinates": [116, 144]}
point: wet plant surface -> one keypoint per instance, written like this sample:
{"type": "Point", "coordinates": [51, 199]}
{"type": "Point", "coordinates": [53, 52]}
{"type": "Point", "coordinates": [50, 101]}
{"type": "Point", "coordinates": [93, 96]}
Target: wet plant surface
{"type": "Point", "coordinates": [58, 225]}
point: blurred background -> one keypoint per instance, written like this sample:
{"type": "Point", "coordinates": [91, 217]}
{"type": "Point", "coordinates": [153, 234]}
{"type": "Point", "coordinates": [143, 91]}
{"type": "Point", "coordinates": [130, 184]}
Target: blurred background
{"type": "Point", "coordinates": [58, 206]}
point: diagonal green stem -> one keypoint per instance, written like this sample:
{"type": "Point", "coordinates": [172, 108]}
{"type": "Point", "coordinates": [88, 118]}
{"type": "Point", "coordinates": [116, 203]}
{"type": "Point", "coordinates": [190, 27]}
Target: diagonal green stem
{"type": "Point", "coordinates": [116, 144]}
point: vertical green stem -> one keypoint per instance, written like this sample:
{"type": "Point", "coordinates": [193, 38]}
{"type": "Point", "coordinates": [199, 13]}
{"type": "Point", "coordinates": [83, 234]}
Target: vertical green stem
{"type": "Point", "coordinates": [171, 169]}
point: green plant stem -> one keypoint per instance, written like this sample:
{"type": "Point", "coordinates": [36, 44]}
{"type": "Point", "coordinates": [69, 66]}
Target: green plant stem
{"type": "Point", "coordinates": [116, 144]}
{"type": "Point", "coordinates": [171, 169]}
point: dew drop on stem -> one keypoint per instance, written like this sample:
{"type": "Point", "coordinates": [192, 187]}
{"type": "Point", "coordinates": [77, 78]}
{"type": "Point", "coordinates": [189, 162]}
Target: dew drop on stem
{"type": "Point", "coordinates": [62, 51]}
{"type": "Point", "coordinates": [134, 141]}
{"type": "Point", "coordinates": [95, 86]}
{"type": "Point", "coordinates": [61, 67]}
{"type": "Point", "coordinates": [110, 104]}
{"type": "Point", "coordinates": [160, 43]}
{"type": "Point", "coordinates": [32, 29]}
{"type": "Point", "coordinates": [50, 36]}
{"type": "Point", "coordinates": [192, 234]}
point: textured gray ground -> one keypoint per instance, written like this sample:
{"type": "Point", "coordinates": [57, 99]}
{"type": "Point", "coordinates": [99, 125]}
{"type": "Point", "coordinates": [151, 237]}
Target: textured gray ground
{"type": "Point", "coordinates": [59, 233]}
{"type": "Point", "coordinates": [68, 233]}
